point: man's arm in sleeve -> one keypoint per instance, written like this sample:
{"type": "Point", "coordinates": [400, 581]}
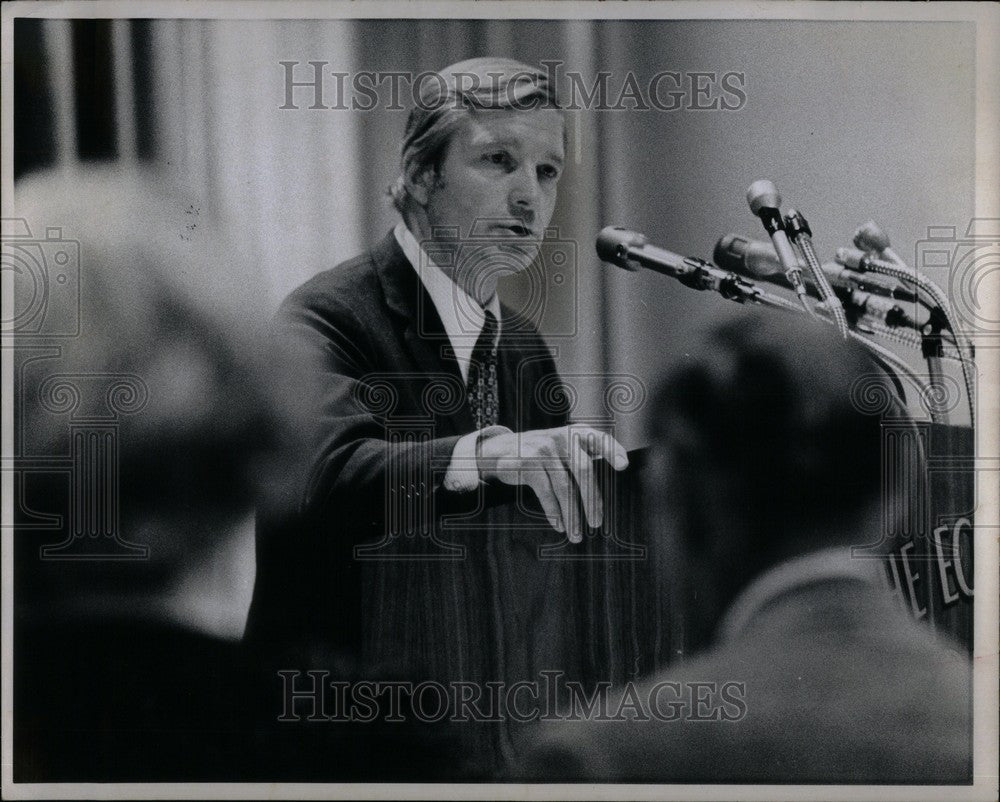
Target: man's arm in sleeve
{"type": "Point", "coordinates": [325, 354]}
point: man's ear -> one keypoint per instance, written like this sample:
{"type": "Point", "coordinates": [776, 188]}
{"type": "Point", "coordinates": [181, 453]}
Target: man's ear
{"type": "Point", "coordinates": [419, 180]}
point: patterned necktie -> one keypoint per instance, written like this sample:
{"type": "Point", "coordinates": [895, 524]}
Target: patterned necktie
{"type": "Point", "coordinates": [482, 386]}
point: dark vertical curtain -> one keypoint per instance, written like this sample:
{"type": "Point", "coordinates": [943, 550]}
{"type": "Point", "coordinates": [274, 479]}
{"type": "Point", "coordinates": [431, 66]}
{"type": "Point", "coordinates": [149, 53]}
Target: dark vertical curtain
{"type": "Point", "coordinates": [34, 145]}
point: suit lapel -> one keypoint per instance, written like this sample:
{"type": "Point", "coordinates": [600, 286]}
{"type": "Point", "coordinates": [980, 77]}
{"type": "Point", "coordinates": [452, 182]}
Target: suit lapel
{"type": "Point", "coordinates": [424, 335]}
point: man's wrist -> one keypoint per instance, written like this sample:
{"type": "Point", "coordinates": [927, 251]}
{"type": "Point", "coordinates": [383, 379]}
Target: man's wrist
{"type": "Point", "coordinates": [463, 475]}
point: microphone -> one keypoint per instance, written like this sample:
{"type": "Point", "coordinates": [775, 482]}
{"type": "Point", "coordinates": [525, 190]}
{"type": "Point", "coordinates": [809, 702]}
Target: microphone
{"type": "Point", "coordinates": [872, 241]}
{"type": "Point", "coordinates": [863, 294]}
{"type": "Point", "coordinates": [632, 251]}
{"type": "Point", "coordinates": [751, 257]}
{"type": "Point", "coordinates": [862, 261]}
{"type": "Point", "coordinates": [756, 259]}
{"type": "Point", "coordinates": [864, 304]}
{"type": "Point", "coordinates": [872, 238]}
{"type": "Point", "coordinates": [748, 256]}
{"type": "Point", "coordinates": [839, 275]}
{"type": "Point", "coordinates": [765, 203]}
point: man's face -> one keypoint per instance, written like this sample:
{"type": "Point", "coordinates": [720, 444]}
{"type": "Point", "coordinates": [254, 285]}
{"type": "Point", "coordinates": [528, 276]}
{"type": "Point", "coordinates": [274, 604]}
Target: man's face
{"type": "Point", "coordinates": [497, 183]}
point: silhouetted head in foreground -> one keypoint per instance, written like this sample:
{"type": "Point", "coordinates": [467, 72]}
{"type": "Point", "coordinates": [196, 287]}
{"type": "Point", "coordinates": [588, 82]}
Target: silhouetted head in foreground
{"type": "Point", "coordinates": [762, 451]}
{"type": "Point", "coordinates": [166, 360]}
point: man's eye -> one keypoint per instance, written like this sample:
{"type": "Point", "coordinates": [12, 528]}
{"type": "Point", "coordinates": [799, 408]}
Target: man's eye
{"type": "Point", "coordinates": [548, 171]}
{"type": "Point", "coordinates": [498, 157]}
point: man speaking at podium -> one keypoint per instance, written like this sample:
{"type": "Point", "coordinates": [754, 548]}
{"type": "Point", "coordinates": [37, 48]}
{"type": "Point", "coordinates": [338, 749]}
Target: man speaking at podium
{"type": "Point", "coordinates": [418, 391]}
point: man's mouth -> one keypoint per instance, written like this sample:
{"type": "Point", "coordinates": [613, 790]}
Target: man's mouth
{"type": "Point", "coordinates": [515, 229]}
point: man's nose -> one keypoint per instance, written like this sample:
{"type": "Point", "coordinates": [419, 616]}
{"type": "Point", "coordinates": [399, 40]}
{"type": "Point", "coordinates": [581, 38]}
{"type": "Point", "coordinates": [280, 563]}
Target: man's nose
{"type": "Point", "coordinates": [523, 197]}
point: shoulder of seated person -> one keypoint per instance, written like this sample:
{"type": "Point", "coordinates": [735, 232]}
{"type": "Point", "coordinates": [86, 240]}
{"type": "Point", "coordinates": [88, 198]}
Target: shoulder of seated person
{"type": "Point", "coordinates": [350, 286]}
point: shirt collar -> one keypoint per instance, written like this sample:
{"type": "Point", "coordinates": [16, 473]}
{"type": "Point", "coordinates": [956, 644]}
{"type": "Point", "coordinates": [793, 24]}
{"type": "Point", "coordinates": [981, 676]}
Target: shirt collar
{"type": "Point", "coordinates": [826, 564]}
{"type": "Point", "coordinates": [461, 314]}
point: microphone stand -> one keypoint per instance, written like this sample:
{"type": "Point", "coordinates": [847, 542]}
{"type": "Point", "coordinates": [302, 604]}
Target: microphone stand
{"type": "Point", "coordinates": [932, 348]}
{"type": "Point", "coordinates": [941, 317]}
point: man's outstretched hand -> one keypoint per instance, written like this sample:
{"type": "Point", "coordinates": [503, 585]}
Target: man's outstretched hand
{"type": "Point", "coordinates": [557, 465]}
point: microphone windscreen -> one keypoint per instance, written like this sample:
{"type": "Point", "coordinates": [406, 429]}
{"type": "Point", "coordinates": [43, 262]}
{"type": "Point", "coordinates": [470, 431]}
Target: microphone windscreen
{"type": "Point", "coordinates": [871, 237]}
{"type": "Point", "coordinates": [748, 257]}
{"type": "Point", "coordinates": [849, 257]}
{"type": "Point", "coordinates": [614, 241]}
{"type": "Point", "coordinates": [729, 252]}
{"type": "Point", "coordinates": [763, 195]}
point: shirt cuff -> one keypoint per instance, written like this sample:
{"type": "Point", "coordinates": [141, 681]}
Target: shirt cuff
{"type": "Point", "coordinates": [463, 470]}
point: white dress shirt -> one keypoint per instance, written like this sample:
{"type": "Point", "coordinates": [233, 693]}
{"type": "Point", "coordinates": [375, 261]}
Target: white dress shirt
{"type": "Point", "coordinates": [461, 314]}
{"type": "Point", "coordinates": [463, 319]}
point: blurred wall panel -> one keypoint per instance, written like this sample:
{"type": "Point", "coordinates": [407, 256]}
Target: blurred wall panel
{"type": "Point", "coordinates": [283, 182]}
{"type": "Point", "coordinates": [59, 57]}
{"type": "Point", "coordinates": [170, 105]}
{"type": "Point", "coordinates": [34, 137]}
{"type": "Point", "coordinates": [582, 213]}
{"type": "Point", "coordinates": [94, 89]}
{"type": "Point", "coordinates": [143, 70]}
{"type": "Point", "coordinates": [125, 113]}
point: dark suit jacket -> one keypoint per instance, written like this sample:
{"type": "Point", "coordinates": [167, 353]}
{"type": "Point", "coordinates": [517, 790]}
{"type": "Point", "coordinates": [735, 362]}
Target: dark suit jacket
{"type": "Point", "coordinates": [839, 688]}
{"type": "Point", "coordinates": [358, 563]}
{"type": "Point", "coordinates": [370, 368]}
